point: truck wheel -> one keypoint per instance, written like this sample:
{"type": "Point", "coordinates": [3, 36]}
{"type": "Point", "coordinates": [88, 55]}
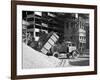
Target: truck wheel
{"type": "Point", "coordinates": [55, 54]}
{"type": "Point", "coordinates": [75, 54]}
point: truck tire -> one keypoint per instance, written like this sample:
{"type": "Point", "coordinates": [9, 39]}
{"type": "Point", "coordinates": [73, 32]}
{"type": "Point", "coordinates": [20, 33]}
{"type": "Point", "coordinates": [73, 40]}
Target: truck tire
{"type": "Point", "coordinates": [75, 54]}
{"type": "Point", "coordinates": [56, 54]}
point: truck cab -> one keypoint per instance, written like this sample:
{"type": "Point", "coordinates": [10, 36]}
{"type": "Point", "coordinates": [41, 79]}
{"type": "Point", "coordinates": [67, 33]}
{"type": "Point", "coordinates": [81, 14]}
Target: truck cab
{"type": "Point", "coordinates": [71, 46]}
{"type": "Point", "coordinates": [67, 49]}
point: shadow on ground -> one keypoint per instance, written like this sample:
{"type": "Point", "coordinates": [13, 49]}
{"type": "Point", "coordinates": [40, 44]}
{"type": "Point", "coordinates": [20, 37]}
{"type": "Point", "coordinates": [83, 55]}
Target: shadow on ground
{"type": "Point", "coordinates": [79, 63]}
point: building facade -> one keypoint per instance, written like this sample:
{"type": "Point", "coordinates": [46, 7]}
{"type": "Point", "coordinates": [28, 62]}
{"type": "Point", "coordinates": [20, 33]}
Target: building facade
{"type": "Point", "coordinates": [76, 29]}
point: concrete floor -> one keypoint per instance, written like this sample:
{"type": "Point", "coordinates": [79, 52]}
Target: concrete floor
{"type": "Point", "coordinates": [81, 61]}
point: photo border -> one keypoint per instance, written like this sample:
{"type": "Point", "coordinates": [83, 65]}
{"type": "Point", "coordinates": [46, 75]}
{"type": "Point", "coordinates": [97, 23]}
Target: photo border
{"type": "Point", "coordinates": [14, 39]}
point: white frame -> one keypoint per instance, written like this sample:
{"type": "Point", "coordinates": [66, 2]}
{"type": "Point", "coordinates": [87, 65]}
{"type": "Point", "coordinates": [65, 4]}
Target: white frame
{"type": "Point", "coordinates": [21, 71]}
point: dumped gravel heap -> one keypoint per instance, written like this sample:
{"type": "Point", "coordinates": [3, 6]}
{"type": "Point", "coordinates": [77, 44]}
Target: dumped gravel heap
{"type": "Point", "coordinates": [35, 59]}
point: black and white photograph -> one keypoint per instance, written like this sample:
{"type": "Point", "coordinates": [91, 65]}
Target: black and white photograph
{"type": "Point", "coordinates": [55, 39]}
{"type": "Point", "coordinates": [52, 40]}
